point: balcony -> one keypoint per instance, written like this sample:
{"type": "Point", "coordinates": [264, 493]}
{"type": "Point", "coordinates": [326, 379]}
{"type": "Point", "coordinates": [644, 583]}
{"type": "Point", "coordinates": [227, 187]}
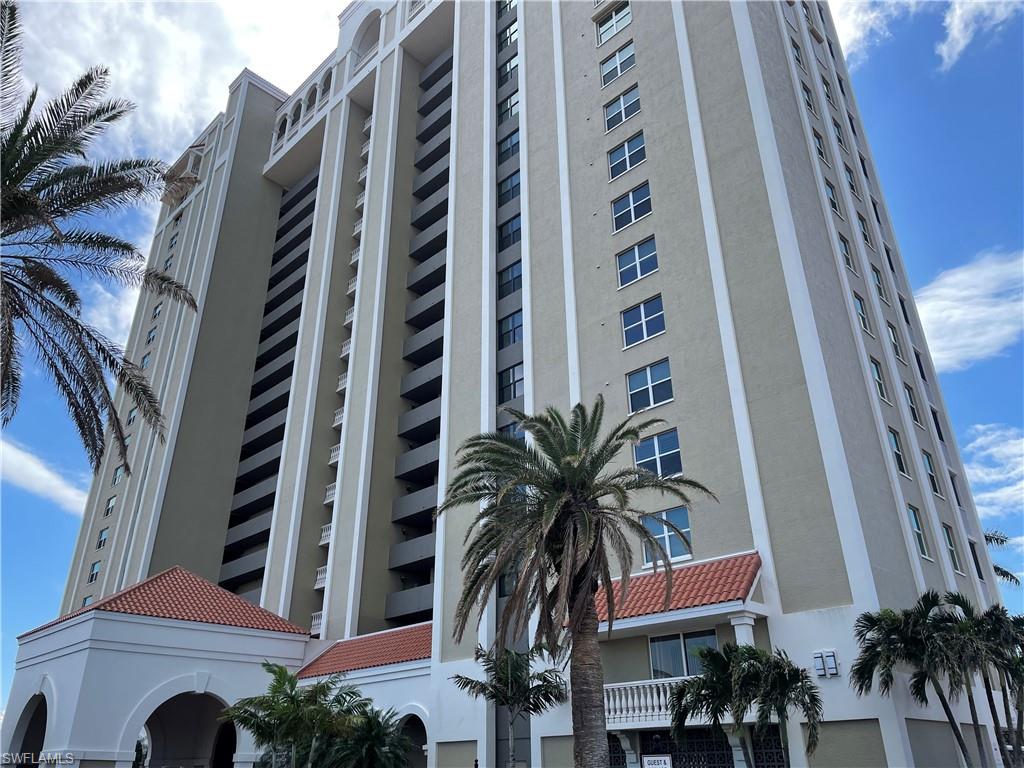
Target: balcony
{"type": "Point", "coordinates": [416, 508]}
{"type": "Point", "coordinates": [342, 384]}
{"type": "Point", "coordinates": [361, 178]}
{"type": "Point", "coordinates": [339, 417]}
{"type": "Point", "coordinates": [350, 315]}
{"type": "Point", "coordinates": [642, 703]}
{"type": "Point", "coordinates": [335, 455]}
{"type": "Point", "coordinates": [414, 603]}
{"type": "Point", "coordinates": [364, 150]}
{"type": "Point", "coordinates": [357, 230]}
{"type": "Point", "coordinates": [329, 493]}
{"type": "Point", "coordinates": [346, 347]}
{"type": "Point", "coordinates": [418, 464]}
{"type": "Point", "coordinates": [321, 577]}
{"type": "Point", "coordinates": [360, 201]}
{"type": "Point", "coordinates": [325, 534]}
{"type": "Point", "coordinates": [351, 287]}
{"type": "Point", "coordinates": [413, 554]}
{"type": "Point", "coordinates": [354, 256]}
{"type": "Point", "coordinates": [368, 124]}
{"type": "Point", "coordinates": [316, 622]}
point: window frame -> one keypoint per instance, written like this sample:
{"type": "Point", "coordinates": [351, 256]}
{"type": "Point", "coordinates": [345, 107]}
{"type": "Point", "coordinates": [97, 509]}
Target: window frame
{"type": "Point", "coordinates": [917, 530]}
{"type": "Point", "coordinates": [513, 236]}
{"type": "Point", "coordinates": [510, 151]}
{"type": "Point", "coordinates": [508, 107]}
{"type": "Point", "coordinates": [108, 508]}
{"type": "Point", "coordinates": [514, 333]}
{"type": "Point", "coordinates": [507, 35]}
{"type": "Point", "coordinates": [929, 470]}
{"type": "Point", "coordinates": [911, 399]}
{"type": "Point", "coordinates": [101, 538]}
{"type": "Point", "coordinates": [666, 535]}
{"type": "Point", "coordinates": [896, 448]}
{"type": "Point", "coordinates": [658, 455]}
{"type": "Point", "coordinates": [634, 251]}
{"type": "Point", "coordinates": [613, 15]}
{"type": "Point", "coordinates": [627, 155]}
{"type": "Point", "coordinates": [894, 339]}
{"type": "Point", "coordinates": [862, 313]}
{"type": "Point", "coordinates": [954, 553]}
{"type": "Point", "coordinates": [621, 105]}
{"type": "Point", "coordinates": [878, 375]}
{"type": "Point", "coordinates": [649, 386]}
{"type": "Point", "coordinates": [515, 385]}
{"type": "Point", "coordinates": [516, 281]}
{"type": "Point", "coordinates": [634, 201]}
{"type": "Point", "coordinates": [833, 198]}
{"type": "Point", "coordinates": [512, 192]}
{"type": "Point", "coordinates": [644, 321]}
{"type": "Point", "coordinates": [617, 57]}
{"type": "Point", "coordinates": [94, 572]}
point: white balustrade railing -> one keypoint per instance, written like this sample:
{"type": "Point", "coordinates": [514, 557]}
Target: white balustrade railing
{"type": "Point", "coordinates": [325, 534]}
{"type": "Point", "coordinates": [346, 347]}
{"type": "Point", "coordinates": [335, 454]}
{"type": "Point", "coordinates": [640, 701]}
{"type": "Point", "coordinates": [329, 493]}
{"type": "Point", "coordinates": [321, 577]}
{"type": "Point", "coordinates": [354, 256]}
{"type": "Point", "coordinates": [316, 622]}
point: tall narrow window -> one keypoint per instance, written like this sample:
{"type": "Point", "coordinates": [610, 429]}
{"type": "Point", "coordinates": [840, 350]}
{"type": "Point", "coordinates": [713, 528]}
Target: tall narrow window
{"type": "Point", "coordinates": [118, 474]}
{"type": "Point", "coordinates": [903, 310]}
{"type": "Point", "coordinates": [929, 468]}
{"type": "Point", "coordinates": [876, 374]}
{"type": "Point", "coordinates": [876, 277]}
{"type": "Point", "coordinates": [637, 261]}
{"type": "Point", "coordinates": [808, 99]}
{"type": "Point", "coordinates": [151, 335]}
{"type": "Point", "coordinates": [797, 54]}
{"type": "Point", "coordinates": [659, 454]}
{"type": "Point", "coordinates": [510, 329]}
{"type": "Point", "coordinates": [851, 181]}
{"type": "Point", "coordinates": [819, 147]}
{"type": "Point", "coordinates": [101, 539]}
{"type": "Point", "coordinates": [649, 386]}
{"type": "Point", "coordinates": [956, 491]}
{"type": "Point", "coordinates": [839, 133]}
{"type": "Point", "coordinates": [157, 310]}
{"type": "Point", "coordinates": [908, 393]}
{"type": "Point", "coordinates": [109, 508]}
{"type": "Point", "coordinates": [828, 90]}
{"type": "Point", "coordinates": [918, 530]}
{"type": "Point", "coordinates": [833, 200]}
{"type": "Point", "coordinates": [621, 61]}
{"type": "Point", "coordinates": [633, 205]}
{"type": "Point", "coordinates": [94, 572]}
{"type": "Point", "coordinates": [862, 313]}
{"type": "Point", "coordinates": [954, 553]}
{"type": "Point", "coordinates": [894, 337]}
{"type": "Point", "coordinates": [643, 321]}
{"type": "Point", "coordinates": [920, 365]}
{"type": "Point", "coordinates": [897, 451]}
{"type": "Point", "coordinates": [864, 230]}
{"type": "Point", "coordinates": [146, 360]}
{"type": "Point", "coordinates": [977, 561]}
{"type": "Point", "coordinates": [844, 249]}
{"type": "Point", "coordinates": [132, 413]}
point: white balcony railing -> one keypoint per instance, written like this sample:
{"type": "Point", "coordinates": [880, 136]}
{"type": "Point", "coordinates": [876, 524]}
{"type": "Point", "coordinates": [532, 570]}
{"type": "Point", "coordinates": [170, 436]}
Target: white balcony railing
{"type": "Point", "coordinates": [357, 230]}
{"type": "Point", "coordinates": [360, 199]}
{"type": "Point", "coordinates": [362, 174]}
{"type": "Point", "coordinates": [342, 385]}
{"type": "Point", "coordinates": [364, 150]}
{"type": "Point", "coordinates": [368, 124]}
{"type": "Point", "coordinates": [641, 701]}
{"type": "Point", "coordinates": [354, 256]}
{"type": "Point", "coordinates": [339, 416]}
{"type": "Point", "coordinates": [350, 315]}
{"type": "Point", "coordinates": [329, 493]}
{"type": "Point", "coordinates": [325, 534]}
{"type": "Point", "coordinates": [316, 622]}
{"type": "Point", "coordinates": [351, 285]}
{"type": "Point", "coordinates": [346, 347]}
{"type": "Point", "coordinates": [335, 455]}
{"type": "Point", "coordinates": [321, 577]}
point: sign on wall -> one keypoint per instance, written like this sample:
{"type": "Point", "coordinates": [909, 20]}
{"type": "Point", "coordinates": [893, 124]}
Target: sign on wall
{"type": "Point", "coordinates": [656, 761]}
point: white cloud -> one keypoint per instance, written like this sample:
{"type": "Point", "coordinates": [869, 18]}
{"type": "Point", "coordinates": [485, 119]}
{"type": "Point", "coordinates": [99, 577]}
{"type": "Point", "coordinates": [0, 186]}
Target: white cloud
{"type": "Point", "coordinates": [966, 19]}
{"type": "Point", "coordinates": [27, 471]}
{"type": "Point", "coordinates": [863, 24]}
{"type": "Point", "coordinates": [994, 460]}
{"type": "Point", "coordinates": [110, 310]}
{"type": "Point", "coordinates": [975, 311]}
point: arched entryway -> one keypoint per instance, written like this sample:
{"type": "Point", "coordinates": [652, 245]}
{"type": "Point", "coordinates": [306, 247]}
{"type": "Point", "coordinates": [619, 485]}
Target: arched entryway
{"type": "Point", "coordinates": [416, 732]}
{"type": "Point", "coordinates": [30, 732]}
{"type": "Point", "coordinates": [186, 730]}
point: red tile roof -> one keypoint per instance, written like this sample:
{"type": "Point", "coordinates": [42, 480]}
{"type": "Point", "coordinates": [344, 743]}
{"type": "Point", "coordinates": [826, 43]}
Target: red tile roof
{"type": "Point", "coordinates": [393, 646]}
{"type": "Point", "coordinates": [708, 583]}
{"type": "Point", "coordinates": [180, 594]}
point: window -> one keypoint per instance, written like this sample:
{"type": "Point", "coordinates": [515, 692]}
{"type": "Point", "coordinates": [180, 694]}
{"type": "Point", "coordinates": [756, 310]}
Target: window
{"type": "Point", "coordinates": [797, 55]}
{"type": "Point", "coordinates": [819, 147]}
{"type": "Point", "coordinates": [874, 207]}
{"type": "Point", "coordinates": [157, 310]}
{"type": "Point", "coordinates": [839, 81]}
{"type": "Point", "coordinates": [977, 562]}
{"type": "Point", "coordinates": [514, 430]}
{"type": "Point", "coordinates": [851, 181]}
{"type": "Point", "coordinates": [929, 468]}
{"type": "Point", "coordinates": [86, 600]}
{"type": "Point", "coordinates": [649, 386]}
{"type": "Point", "coordinates": [627, 155]}
{"type": "Point", "coordinates": [839, 133]}
{"type": "Point", "coordinates": [510, 232]}
{"type": "Point", "coordinates": [895, 339]}
{"type": "Point", "coordinates": [510, 383]}
{"type": "Point", "coordinates": [168, 263]}
{"type": "Point", "coordinates": [94, 572]}
{"type": "Point", "coordinates": [504, 6]}
{"type": "Point", "coordinates": [876, 276]}
{"type": "Point", "coordinates": [146, 358]}
{"type": "Point", "coordinates": [679, 655]}
{"type": "Point", "coordinates": [903, 310]}
{"type": "Point", "coordinates": [954, 553]}
{"type": "Point", "coordinates": [510, 329]}
{"type": "Point", "coordinates": [508, 107]}
{"type": "Point", "coordinates": [920, 365]}
{"type": "Point", "coordinates": [109, 508]}
{"type": "Point", "coordinates": [853, 125]}
{"type": "Point", "coordinates": [510, 279]}
{"type": "Point", "coordinates": [833, 201]}
{"type": "Point", "coordinates": [633, 205]}
{"type": "Point", "coordinates": [888, 258]}
{"type": "Point", "coordinates": [612, 22]}
{"type": "Point", "coordinates": [101, 539]}
{"type": "Point", "coordinates": [897, 451]}
{"type": "Point", "coordinates": [508, 70]}
{"type": "Point", "coordinates": [508, 188]}
{"type": "Point", "coordinates": [177, 220]}
{"type": "Point", "coordinates": [915, 525]}
{"type": "Point", "coordinates": [118, 474]}
{"type": "Point", "coordinates": [659, 454]}
{"type": "Point", "coordinates": [621, 61]}
{"type": "Point", "coordinates": [637, 262]}
{"type": "Point", "coordinates": [956, 491]}
{"type": "Point", "coordinates": [808, 99]}
{"type": "Point", "coordinates": [508, 35]}
{"type": "Point", "coordinates": [622, 108]}
{"type": "Point", "coordinates": [864, 230]}
{"type": "Point", "coordinates": [676, 547]}
{"type": "Point", "coordinates": [828, 90]}
{"type": "Point", "coordinates": [879, 377]}
{"type": "Point", "coordinates": [508, 147]}
{"type": "Point", "coordinates": [908, 393]}
{"type": "Point", "coordinates": [864, 166]}
{"type": "Point", "coordinates": [151, 335]}
{"type": "Point", "coordinates": [173, 241]}
{"type": "Point", "coordinates": [862, 313]}
{"type": "Point", "coordinates": [643, 321]}
{"type": "Point", "coordinates": [844, 249]}
{"type": "Point", "coordinates": [132, 413]}
{"type": "Point", "coordinates": [938, 425]}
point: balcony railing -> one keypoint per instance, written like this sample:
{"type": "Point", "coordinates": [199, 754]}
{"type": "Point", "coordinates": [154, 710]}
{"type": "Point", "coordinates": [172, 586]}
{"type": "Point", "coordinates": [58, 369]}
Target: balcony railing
{"type": "Point", "coordinates": [325, 534]}
{"type": "Point", "coordinates": [360, 199]}
{"type": "Point", "coordinates": [357, 230]}
{"type": "Point", "coordinates": [335, 455]}
{"type": "Point", "coordinates": [351, 289]}
{"type": "Point", "coordinates": [354, 256]}
{"type": "Point", "coordinates": [329, 493]}
{"type": "Point", "coordinates": [342, 386]}
{"type": "Point", "coordinates": [641, 701]}
{"type": "Point", "coordinates": [346, 347]}
{"type": "Point", "coordinates": [368, 124]}
{"type": "Point", "coordinates": [350, 315]}
{"type": "Point", "coordinates": [364, 150]}
{"type": "Point", "coordinates": [362, 174]}
{"type": "Point", "coordinates": [316, 622]}
{"type": "Point", "coordinates": [321, 577]}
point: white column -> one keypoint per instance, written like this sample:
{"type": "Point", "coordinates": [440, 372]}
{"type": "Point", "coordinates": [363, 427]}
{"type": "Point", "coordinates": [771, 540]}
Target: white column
{"type": "Point", "coordinates": [743, 625]}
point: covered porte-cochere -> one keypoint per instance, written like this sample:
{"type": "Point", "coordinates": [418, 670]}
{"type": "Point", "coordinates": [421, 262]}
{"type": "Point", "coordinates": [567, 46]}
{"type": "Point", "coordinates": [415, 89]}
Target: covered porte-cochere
{"type": "Point", "coordinates": [158, 661]}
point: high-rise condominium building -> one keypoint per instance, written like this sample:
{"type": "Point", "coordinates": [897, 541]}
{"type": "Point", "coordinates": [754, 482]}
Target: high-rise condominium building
{"type": "Point", "coordinates": [470, 206]}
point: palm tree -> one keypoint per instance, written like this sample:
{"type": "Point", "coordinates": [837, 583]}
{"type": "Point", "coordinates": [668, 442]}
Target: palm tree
{"type": "Point", "coordinates": [996, 540]}
{"type": "Point", "coordinates": [375, 741]}
{"type": "Point", "coordinates": [52, 197]}
{"type": "Point", "coordinates": [710, 696]}
{"type": "Point", "coordinates": [561, 519]}
{"type": "Point", "coordinates": [511, 682]}
{"type": "Point", "coordinates": [776, 685]}
{"type": "Point", "coordinates": [889, 639]}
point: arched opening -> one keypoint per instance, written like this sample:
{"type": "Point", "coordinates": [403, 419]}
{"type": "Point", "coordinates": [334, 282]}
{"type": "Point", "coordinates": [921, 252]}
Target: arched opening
{"type": "Point", "coordinates": [311, 99]}
{"type": "Point", "coordinates": [282, 128]}
{"type": "Point", "coordinates": [416, 732]}
{"type": "Point", "coordinates": [186, 730]}
{"type": "Point", "coordinates": [297, 112]}
{"type": "Point", "coordinates": [30, 732]}
{"type": "Point", "coordinates": [325, 86]}
{"type": "Point", "coordinates": [368, 37]}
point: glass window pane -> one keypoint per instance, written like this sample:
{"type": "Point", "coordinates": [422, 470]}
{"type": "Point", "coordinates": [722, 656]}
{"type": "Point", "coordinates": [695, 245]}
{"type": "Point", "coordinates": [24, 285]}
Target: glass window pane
{"type": "Point", "coordinates": [694, 642]}
{"type": "Point", "coordinates": [666, 657]}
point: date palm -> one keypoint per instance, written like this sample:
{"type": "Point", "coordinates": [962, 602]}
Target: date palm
{"type": "Point", "coordinates": [561, 518]}
{"type": "Point", "coordinates": [375, 741]}
{"type": "Point", "coordinates": [511, 682]}
{"type": "Point", "coordinates": [996, 540]}
{"type": "Point", "coordinates": [54, 199]}
{"type": "Point", "coordinates": [912, 637]}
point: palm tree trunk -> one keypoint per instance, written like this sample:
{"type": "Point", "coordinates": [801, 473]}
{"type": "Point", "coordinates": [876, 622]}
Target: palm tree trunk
{"type": "Point", "coordinates": [1018, 732]}
{"type": "Point", "coordinates": [957, 733]}
{"type": "Point", "coordinates": [744, 746]}
{"type": "Point", "coordinates": [784, 738]}
{"type": "Point", "coordinates": [1000, 740]}
{"type": "Point", "coordinates": [511, 740]}
{"type": "Point", "coordinates": [312, 751]}
{"type": "Point", "coordinates": [969, 685]}
{"type": "Point", "coordinates": [586, 678]}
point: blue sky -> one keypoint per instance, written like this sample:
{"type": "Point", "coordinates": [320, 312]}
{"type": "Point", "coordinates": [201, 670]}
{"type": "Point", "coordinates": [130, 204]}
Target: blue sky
{"type": "Point", "coordinates": [942, 96]}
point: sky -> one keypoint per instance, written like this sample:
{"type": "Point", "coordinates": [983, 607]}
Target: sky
{"type": "Point", "coordinates": [941, 89]}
